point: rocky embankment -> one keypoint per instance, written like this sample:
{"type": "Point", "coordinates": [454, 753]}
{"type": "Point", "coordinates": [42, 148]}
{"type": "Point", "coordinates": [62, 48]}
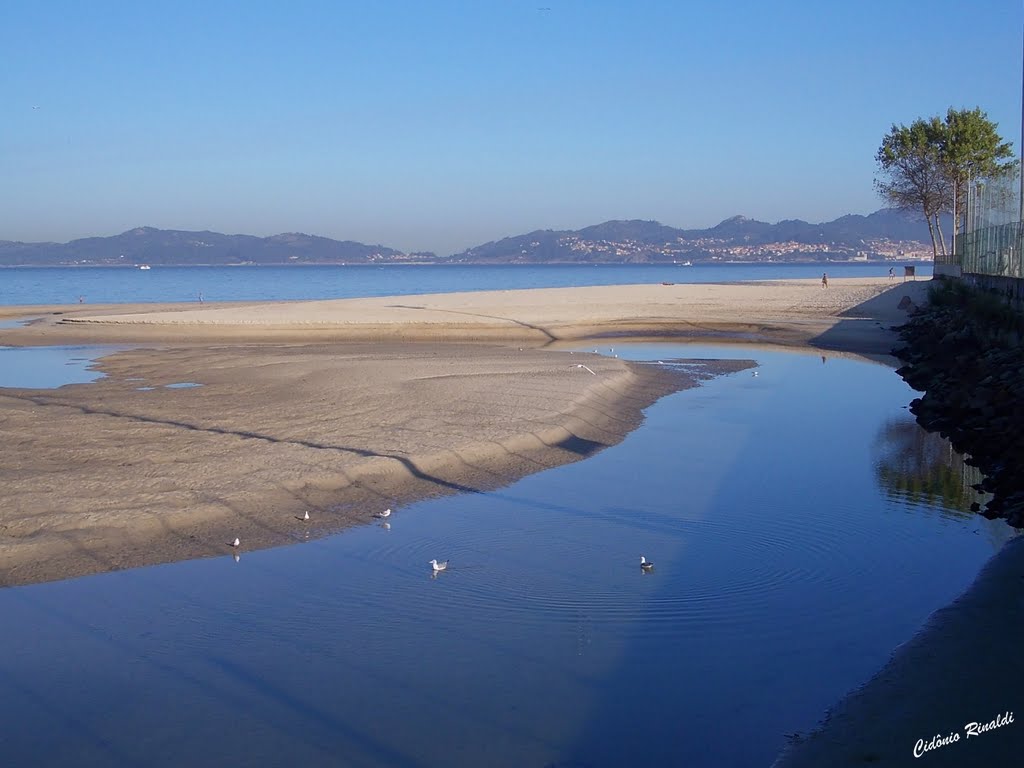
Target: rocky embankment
{"type": "Point", "coordinates": [963, 350]}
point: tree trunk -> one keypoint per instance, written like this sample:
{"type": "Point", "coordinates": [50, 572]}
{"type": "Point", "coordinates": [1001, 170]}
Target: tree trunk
{"type": "Point", "coordinates": [931, 231]}
{"type": "Point", "coordinates": [942, 240]}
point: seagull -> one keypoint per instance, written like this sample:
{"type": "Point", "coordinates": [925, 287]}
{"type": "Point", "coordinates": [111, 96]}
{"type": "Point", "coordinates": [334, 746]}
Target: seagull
{"type": "Point", "coordinates": [644, 565]}
{"type": "Point", "coordinates": [35, 107]}
{"type": "Point", "coordinates": [305, 516]}
{"type": "Point", "coordinates": [439, 566]}
{"type": "Point", "coordinates": [235, 543]}
{"type": "Point", "coordinates": [755, 373]}
{"type": "Point", "coordinates": [385, 513]}
{"type": "Point", "coordinates": [581, 365]}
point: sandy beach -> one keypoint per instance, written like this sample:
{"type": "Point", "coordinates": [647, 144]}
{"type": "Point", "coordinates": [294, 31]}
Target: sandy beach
{"type": "Point", "coordinates": [847, 316]}
{"type": "Point", "coordinates": [346, 407]}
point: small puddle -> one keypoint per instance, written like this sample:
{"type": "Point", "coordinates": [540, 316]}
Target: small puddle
{"type": "Point", "coordinates": [49, 367]}
{"type": "Point", "coordinates": [182, 385]}
{"type": "Point", "coordinates": [18, 322]}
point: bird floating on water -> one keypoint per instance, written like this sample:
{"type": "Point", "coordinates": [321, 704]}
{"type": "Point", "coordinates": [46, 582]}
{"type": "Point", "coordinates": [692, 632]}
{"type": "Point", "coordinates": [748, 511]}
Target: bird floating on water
{"type": "Point", "coordinates": [585, 368]}
{"type": "Point", "coordinates": [439, 566]}
{"type": "Point", "coordinates": [644, 565]}
{"type": "Point", "coordinates": [385, 513]}
{"type": "Point", "coordinates": [755, 373]}
{"type": "Point", "coordinates": [236, 542]}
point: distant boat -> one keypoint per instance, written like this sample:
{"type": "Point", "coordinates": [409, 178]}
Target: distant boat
{"type": "Point", "coordinates": [143, 266]}
{"type": "Point", "coordinates": [686, 264]}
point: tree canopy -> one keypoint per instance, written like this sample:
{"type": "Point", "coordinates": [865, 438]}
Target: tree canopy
{"type": "Point", "coordinates": [928, 164]}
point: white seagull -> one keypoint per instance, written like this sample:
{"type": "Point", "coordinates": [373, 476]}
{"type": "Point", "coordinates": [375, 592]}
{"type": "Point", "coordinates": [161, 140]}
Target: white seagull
{"type": "Point", "coordinates": [236, 542]}
{"type": "Point", "coordinates": [385, 513]}
{"type": "Point", "coordinates": [644, 565]}
{"type": "Point", "coordinates": [439, 566]}
{"type": "Point", "coordinates": [305, 516]}
{"type": "Point", "coordinates": [755, 373]}
{"type": "Point", "coordinates": [581, 365]}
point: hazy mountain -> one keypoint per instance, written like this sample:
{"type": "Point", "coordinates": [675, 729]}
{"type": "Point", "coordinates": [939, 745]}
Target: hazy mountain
{"type": "Point", "coordinates": [146, 245]}
{"type": "Point", "coordinates": [885, 233]}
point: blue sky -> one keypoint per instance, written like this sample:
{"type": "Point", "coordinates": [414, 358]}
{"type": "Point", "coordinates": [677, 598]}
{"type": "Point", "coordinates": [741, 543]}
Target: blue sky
{"type": "Point", "coordinates": [441, 124]}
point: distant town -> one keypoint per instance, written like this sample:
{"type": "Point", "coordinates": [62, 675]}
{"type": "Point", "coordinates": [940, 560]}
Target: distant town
{"type": "Point", "coordinates": [881, 236]}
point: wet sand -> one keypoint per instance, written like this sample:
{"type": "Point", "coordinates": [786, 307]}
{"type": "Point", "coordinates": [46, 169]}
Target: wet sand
{"type": "Point", "coordinates": [327, 406]}
{"type": "Point", "coordinates": [346, 407]}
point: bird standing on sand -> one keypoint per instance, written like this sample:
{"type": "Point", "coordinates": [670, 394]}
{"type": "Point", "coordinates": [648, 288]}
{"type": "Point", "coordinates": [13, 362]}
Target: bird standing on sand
{"type": "Point", "coordinates": [581, 365]}
{"type": "Point", "coordinates": [644, 565]}
{"type": "Point", "coordinates": [303, 516]}
{"type": "Point", "coordinates": [439, 566]}
{"type": "Point", "coordinates": [235, 543]}
{"type": "Point", "coordinates": [385, 513]}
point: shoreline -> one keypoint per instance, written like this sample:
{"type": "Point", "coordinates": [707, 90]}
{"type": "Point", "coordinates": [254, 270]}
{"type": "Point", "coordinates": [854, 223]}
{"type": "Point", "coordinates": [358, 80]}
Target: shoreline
{"type": "Point", "coordinates": [349, 405]}
{"type": "Point", "coordinates": [327, 408]}
{"type": "Point", "coordinates": [854, 315]}
{"type": "Point", "coordinates": [104, 476]}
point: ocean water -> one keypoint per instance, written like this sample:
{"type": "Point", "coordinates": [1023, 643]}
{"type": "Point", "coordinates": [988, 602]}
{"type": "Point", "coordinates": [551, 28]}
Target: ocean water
{"type": "Point", "coordinates": [794, 518]}
{"type": "Point", "coordinates": [103, 285]}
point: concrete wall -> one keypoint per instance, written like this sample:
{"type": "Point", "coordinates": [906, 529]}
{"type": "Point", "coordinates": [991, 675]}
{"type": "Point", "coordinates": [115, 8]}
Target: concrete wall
{"type": "Point", "coordinates": [1012, 288]}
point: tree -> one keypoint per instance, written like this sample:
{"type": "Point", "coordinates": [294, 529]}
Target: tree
{"type": "Point", "coordinates": [910, 160]}
{"type": "Point", "coordinates": [927, 165]}
{"type": "Point", "coordinates": [973, 151]}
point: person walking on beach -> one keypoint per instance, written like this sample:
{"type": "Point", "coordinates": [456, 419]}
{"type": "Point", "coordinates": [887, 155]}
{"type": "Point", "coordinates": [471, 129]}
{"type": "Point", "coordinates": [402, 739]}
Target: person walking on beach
{"type": "Point", "coordinates": [892, 274]}
{"type": "Point", "coordinates": [824, 280]}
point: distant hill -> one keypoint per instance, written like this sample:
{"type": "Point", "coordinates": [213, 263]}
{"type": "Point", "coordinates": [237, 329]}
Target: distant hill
{"type": "Point", "coordinates": [147, 245]}
{"type": "Point", "coordinates": [883, 234]}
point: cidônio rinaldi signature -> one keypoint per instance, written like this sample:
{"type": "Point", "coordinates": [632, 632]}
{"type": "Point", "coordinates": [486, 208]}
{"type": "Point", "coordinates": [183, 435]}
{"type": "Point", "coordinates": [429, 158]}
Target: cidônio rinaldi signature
{"type": "Point", "coordinates": [970, 730]}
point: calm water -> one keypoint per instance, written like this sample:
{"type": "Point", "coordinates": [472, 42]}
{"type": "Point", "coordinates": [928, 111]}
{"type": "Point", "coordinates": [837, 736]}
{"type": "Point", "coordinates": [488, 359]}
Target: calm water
{"type": "Point", "coordinates": [100, 285]}
{"type": "Point", "coordinates": [48, 367]}
{"type": "Point", "coordinates": [791, 558]}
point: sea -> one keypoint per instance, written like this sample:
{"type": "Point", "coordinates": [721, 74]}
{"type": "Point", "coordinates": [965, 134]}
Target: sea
{"type": "Point", "coordinates": [104, 285]}
{"type": "Point", "coordinates": [794, 519]}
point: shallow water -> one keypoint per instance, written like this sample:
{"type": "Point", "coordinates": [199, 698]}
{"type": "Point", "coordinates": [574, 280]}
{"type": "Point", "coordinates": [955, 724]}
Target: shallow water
{"type": "Point", "coordinates": [48, 367]}
{"type": "Point", "coordinates": [787, 568]}
{"type": "Point", "coordinates": [100, 285]}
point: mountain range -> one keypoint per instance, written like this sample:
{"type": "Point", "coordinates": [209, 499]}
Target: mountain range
{"type": "Point", "coordinates": [886, 233]}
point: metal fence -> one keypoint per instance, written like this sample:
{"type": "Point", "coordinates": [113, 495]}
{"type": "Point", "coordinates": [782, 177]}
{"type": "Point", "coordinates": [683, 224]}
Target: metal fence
{"type": "Point", "coordinates": [992, 250]}
{"type": "Point", "coordinates": [991, 240]}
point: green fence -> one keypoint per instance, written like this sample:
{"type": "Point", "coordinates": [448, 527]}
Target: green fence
{"type": "Point", "coordinates": [992, 251]}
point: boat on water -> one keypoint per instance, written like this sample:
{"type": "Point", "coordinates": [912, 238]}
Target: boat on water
{"type": "Point", "coordinates": [143, 266]}
{"type": "Point", "coordinates": [683, 263]}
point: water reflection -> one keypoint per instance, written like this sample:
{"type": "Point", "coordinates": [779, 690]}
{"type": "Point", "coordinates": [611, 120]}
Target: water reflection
{"type": "Point", "coordinates": [785, 576]}
{"type": "Point", "coordinates": [922, 467]}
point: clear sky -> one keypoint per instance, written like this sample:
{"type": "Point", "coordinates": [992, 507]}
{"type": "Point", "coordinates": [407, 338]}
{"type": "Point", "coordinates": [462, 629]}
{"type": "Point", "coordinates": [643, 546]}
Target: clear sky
{"type": "Point", "coordinates": [441, 124]}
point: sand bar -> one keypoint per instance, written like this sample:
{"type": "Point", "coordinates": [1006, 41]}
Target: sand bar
{"type": "Point", "coordinates": [327, 405]}
{"type": "Point", "coordinates": [851, 314]}
{"type": "Point", "coordinates": [304, 406]}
